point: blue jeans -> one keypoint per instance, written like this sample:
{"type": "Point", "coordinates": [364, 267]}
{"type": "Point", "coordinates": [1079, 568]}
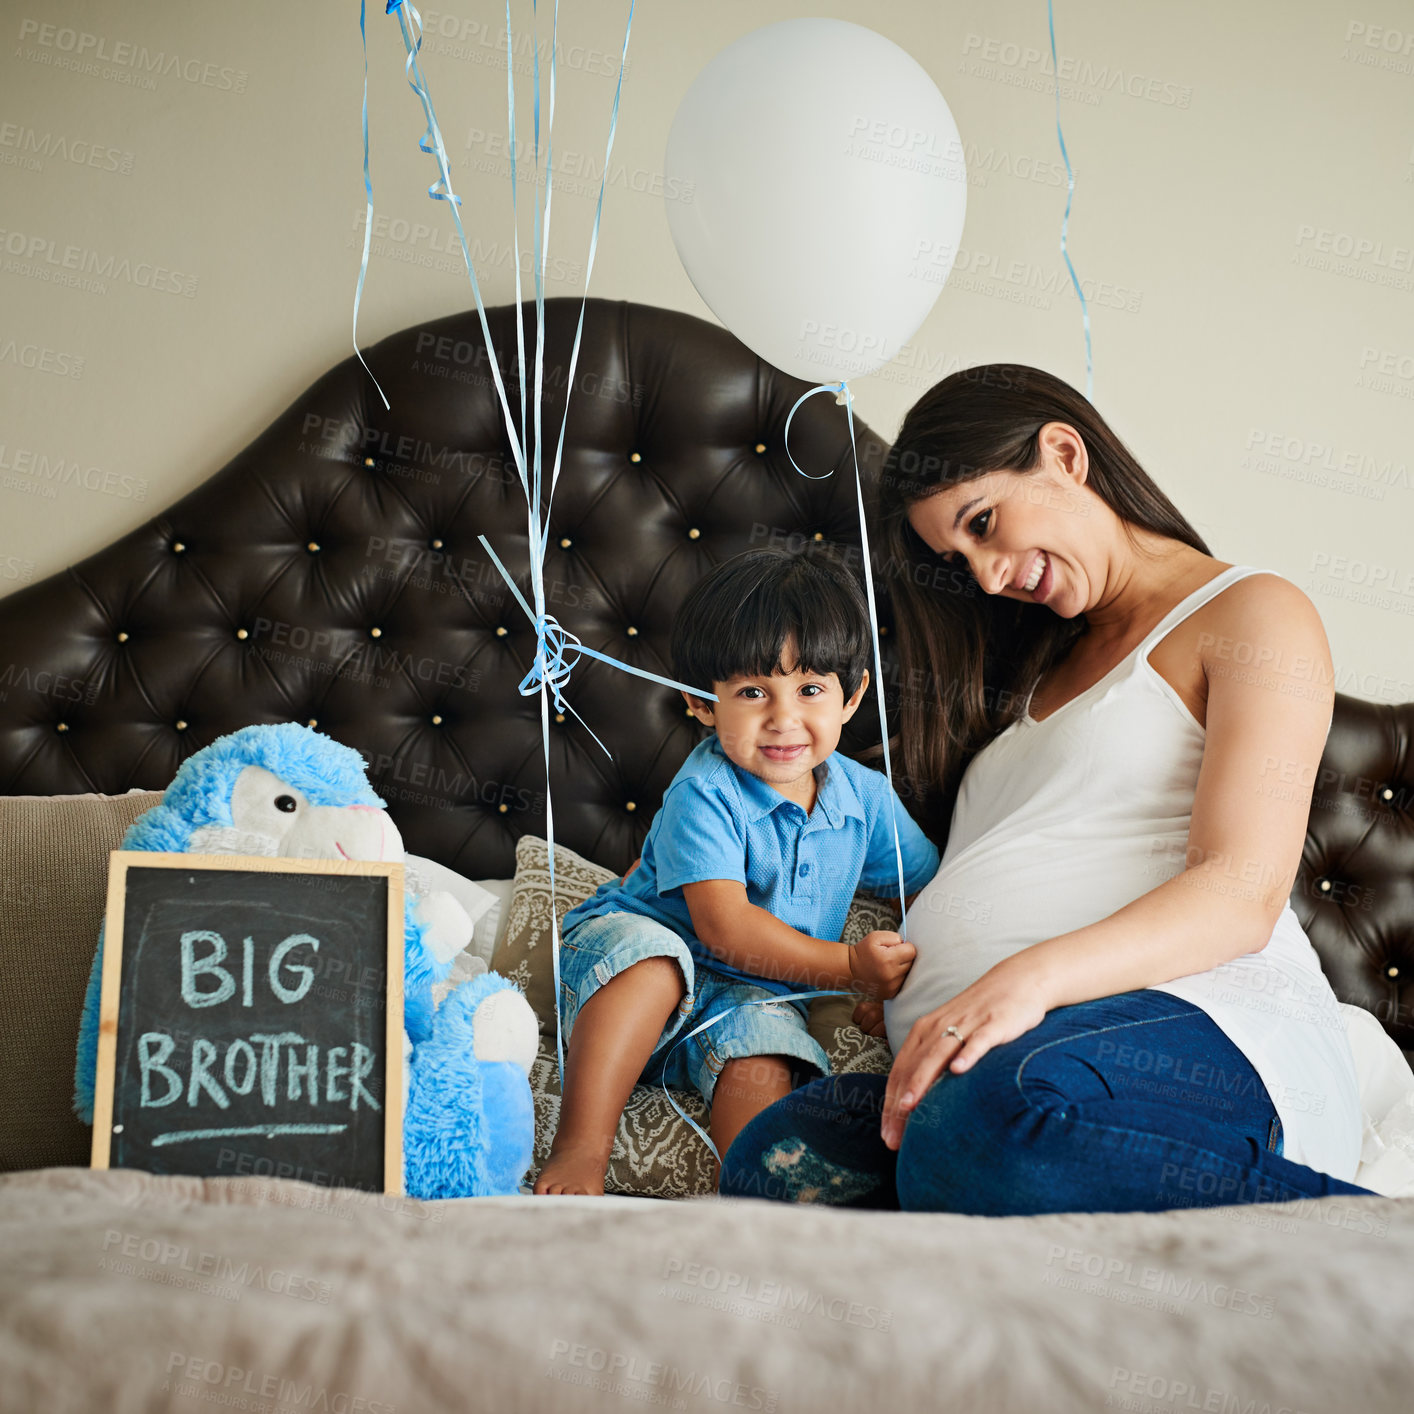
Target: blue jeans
{"type": "Point", "coordinates": [1131, 1103]}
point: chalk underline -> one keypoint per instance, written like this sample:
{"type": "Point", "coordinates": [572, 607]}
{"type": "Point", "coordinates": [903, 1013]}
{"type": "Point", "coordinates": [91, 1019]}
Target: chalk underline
{"type": "Point", "coordinates": [268, 1130]}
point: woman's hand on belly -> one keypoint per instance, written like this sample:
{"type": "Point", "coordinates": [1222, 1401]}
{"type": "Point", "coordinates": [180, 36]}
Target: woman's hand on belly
{"type": "Point", "coordinates": [1002, 1004]}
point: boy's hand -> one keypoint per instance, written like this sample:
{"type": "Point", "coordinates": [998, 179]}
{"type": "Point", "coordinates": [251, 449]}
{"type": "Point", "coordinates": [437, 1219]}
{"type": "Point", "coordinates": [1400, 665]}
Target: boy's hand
{"type": "Point", "coordinates": [879, 962]}
{"type": "Point", "coordinates": [869, 1017]}
{"type": "Point", "coordinates": [633, 866]}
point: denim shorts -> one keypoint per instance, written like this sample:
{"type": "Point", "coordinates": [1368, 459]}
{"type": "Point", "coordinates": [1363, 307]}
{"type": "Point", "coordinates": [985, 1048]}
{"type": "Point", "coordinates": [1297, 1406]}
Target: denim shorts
{"type": "Point", "coordinates": [597, 950]}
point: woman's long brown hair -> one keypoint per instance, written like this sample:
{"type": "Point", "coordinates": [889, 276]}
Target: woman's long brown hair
{"type": "Point", "coordinates": [968, 660]}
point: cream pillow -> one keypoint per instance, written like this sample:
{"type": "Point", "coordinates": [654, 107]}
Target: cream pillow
{"type": "Point", "coordinates": [53, 884]}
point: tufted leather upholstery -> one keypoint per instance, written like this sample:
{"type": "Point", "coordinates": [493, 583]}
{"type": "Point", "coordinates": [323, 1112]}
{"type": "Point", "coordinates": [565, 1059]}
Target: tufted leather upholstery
{"type": "Point", "coordinates": [331, 573]}
{"type": "Point", "coordinates": [1354, 893]}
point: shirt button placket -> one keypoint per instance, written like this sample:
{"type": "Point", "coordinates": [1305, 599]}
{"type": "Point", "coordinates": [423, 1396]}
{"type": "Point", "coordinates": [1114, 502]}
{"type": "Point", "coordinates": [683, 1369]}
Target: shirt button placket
{"type": "Point", "coordinates": [802, 883]}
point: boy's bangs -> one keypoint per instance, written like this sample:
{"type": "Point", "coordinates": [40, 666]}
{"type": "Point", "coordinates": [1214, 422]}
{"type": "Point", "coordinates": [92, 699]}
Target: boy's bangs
{"type": "Point", "coordinates": [738, 621]}
{"type": "Point", "coordinates": [761, 633]}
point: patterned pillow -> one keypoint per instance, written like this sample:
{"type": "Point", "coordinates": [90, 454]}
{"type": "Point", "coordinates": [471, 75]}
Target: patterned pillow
{"type": "Point", "coordinates": [523, 954]}
{"type": "Point", "coordinates": [655, 1154]}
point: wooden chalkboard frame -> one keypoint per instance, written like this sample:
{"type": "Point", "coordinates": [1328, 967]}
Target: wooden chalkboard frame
{"type": "Point", "coordinates": [121, 860]}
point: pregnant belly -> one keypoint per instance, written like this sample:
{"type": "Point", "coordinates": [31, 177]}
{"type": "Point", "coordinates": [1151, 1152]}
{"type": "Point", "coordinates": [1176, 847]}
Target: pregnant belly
{"type": "Point", "coordinates": [995, 898]}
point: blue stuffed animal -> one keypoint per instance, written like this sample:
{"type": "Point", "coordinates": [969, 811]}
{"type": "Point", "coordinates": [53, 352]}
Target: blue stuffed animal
{"type": "Point", "coordinates": [289, 791]}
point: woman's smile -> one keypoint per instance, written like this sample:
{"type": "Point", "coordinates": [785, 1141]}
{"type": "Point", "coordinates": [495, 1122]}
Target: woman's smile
{"type": "Point", "coordinates": [1041, 579]}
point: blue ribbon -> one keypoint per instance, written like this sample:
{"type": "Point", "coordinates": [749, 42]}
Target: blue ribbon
{"type": "Point", "coordinates": [842, 388]}
{"type": "Point", "coordinates": [593, 247]}
{"type": "Point", "coordinates": [1065, 222]}
{"type": "Point", "coordinates": [550, 667]}
{"type": "Point", "coordinates": [431, 141]}
{"type": "Point", "coordinates": [368, 193]}
{"type": "Point", "coordinates": [556, 651]}
{"type": "Point", "coordinates": [410, 23]}
{"type": "Point", "coordinates": [515, 250]}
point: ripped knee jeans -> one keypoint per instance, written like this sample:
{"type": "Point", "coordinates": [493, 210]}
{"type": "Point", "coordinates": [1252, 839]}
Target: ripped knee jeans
{"type": "Point", "coordinates": [1065, 1118]}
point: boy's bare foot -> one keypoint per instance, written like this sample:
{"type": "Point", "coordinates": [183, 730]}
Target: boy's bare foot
{"type": "Point", "coordinates": [572, 1170]}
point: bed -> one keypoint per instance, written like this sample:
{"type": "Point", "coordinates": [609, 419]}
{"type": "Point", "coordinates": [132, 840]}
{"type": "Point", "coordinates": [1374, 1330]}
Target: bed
{"type": "Point", "coordinates": [331, 574]}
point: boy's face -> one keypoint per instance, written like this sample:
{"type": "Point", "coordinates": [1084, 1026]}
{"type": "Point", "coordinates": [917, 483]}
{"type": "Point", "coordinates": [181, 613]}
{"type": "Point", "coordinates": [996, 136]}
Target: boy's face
{"type": "Point", "coordinates": [781, 726]}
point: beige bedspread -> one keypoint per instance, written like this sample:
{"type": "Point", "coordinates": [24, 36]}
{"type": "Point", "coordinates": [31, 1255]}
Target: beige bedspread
{"type": "Point", "coordinates": [120, 1291]}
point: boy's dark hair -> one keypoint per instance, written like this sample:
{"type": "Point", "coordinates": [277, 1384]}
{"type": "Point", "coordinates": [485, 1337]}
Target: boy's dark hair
{"type": "Point", "coordinates": [736, 619]}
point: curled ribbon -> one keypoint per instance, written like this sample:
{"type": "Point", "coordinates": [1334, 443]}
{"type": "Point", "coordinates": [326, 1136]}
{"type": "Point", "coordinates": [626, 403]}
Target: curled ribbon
{"type": "Point", "coordinates": [410, 24]}
{"type": "Point", "coordinates": [368, 193]}
{"type": "Point", "coordinates": [1065, 221]}
{"type": "Point", "coordinates": [558, 651]}
{"type": "Point", "coordinates": [843, 393]}
{"type": "Point", "coordinates": [550, 666]}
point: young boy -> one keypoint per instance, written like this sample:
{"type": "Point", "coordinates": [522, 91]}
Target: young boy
{"type": "Point", "coordinates": [747, 871]}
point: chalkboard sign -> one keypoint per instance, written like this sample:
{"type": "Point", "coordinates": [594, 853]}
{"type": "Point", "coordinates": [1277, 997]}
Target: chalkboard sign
{"type": "Point", "coordinates": [251, 1019]}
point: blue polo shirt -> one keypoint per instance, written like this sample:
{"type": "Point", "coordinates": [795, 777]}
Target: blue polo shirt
{"type": "Point", "coordinates": [718, 821]}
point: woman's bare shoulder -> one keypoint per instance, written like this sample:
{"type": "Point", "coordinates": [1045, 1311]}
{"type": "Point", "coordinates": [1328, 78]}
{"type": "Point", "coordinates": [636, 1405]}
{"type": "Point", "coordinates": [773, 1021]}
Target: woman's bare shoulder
{"type": "Point", "coordinates": [1266, 622]}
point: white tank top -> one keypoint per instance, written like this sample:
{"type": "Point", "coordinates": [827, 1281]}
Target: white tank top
{"type": "Point", "coordinates": [1060, 823]}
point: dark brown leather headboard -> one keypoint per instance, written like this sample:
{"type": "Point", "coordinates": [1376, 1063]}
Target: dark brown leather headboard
{"type": "Point", "coordinates": [331, 573]}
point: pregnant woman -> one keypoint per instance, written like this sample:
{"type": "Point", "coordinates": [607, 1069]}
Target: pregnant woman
{"type": "Point", "coordinates": [1113, 1006]}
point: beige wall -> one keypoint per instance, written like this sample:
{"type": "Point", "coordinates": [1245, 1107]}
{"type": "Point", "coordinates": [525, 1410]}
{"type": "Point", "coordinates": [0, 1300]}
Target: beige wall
{"type": "Point", "coordinates": [1242, 224]}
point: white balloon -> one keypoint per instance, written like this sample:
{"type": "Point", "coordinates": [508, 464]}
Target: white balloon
{"type": "Point", "coordinates": [821, 194]}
